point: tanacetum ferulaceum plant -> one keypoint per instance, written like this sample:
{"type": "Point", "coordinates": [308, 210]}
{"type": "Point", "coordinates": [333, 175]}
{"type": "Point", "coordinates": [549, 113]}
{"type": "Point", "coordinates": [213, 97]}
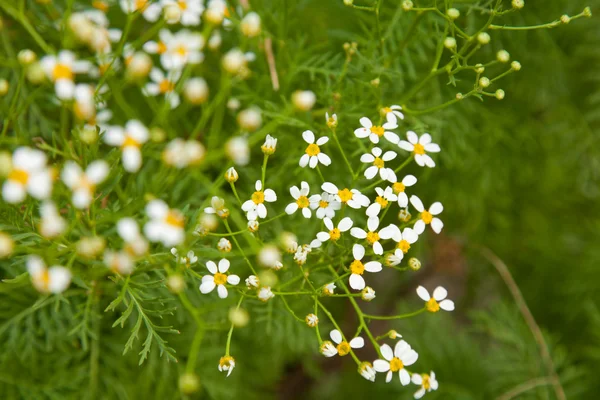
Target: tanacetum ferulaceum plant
{"type": "Point", "coordinates": [132, 191]}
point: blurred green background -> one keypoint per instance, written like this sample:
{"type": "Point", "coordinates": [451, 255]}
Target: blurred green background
{"type": "Point", "coordinates": [519, 176]}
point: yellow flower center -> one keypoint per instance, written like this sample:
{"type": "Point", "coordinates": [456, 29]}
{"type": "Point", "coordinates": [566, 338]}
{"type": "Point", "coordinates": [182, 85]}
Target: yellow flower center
{"type": "Point", "coordinates": [378, 162]}
{"type": "Point", "coordinates": [334, 234]}
{"type": "Point", "coordinates": [86, 184]}
{"type": "Point", "coordinates": [382, 202]}
{"type": "Point", "coordinates": [19, 175]}
{"type": "Point", "coordinates": [302, 202]}
{"type": "Point", "coordinates": [345, 195]}
{"type": "Point", "coordinates": [181, 50]}
{"type": "Point", "coordinates": [220, 278]}
{"type": "Point", "coordinates": [426, 382]}
{"type": "Point", "coordinates": [182, 5]}
{"type": "Point", "coordinates": [258, 197]}
{"type": "Point", "coordinates": [323, 204]}
{"type": "Point", "coordinates": [387, 110]}
{"type": "Point", "coordinates": [100, 5]}
{"type": "Point", "coordinates": [357, 267]}
{"type": "Point", "coordinates": [432, 305]}
{"type": "Point", "coordinates": [166, 86]}
{"type": "Point", "coordinates": [161, 47]}
{"type": "Point", "coordinates": [312, 150]}
{"type": "Point", "coordinates": [378, 130]}
{"type": "Point", "coordinates": [404, 246]}
{"type": "Point", "coordinates": [426, 217]}
{"type": "Point", "coordinates": [419, 149]}
{"type": "Point", "coordinates": [225, 361]}
{"type": "Point", "coordinates": [343, 348]}
{"type": "Point", "coordinates": [396, 364]}
{"type": "Point", "coordinates": [372, 237]}
{"type": "Point", "coordinates": [398, 187]}
{"type": "Point", "coordinates": [174, 218]}
{"type": "Point", "coordinates": [129, 141]}
{"type": "Point", "coordinates": [62, 71]}
{"type": "Point", "coordinates": [140, 4]}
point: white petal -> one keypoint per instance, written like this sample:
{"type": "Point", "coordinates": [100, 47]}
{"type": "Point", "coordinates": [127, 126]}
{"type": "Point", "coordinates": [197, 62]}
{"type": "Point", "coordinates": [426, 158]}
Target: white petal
{"type": "Point", "coordinates": [323, 236]}
{"type": "Point", "coordinates": [328, 223]}
{"type": "Point", "coordinates": [357, 343]}
{"type": "Point", "coordinates": [436, 208]}
{"type": "Point", "coordinates": [367, 158]}
{"type": "Point", "coordinates": [358, 233]}
{"type": "Point", "coordinates": [404, 377]}
{"type": "Point", "coordinates": [304, 160]}
{"type": "Point", "coordinates": [233, 279]}
{"type": "Point", "coordinates": [295, 192]}
{"type": "Point", "coordinates": [419, 227]}
{"type": "Point", "coordinates": [13, 192]}
{"type": "Point", "coordinates": [366, 122]}
{"type": "Point", "coordinates": [439, 293]}
{"type": "Point", "coordinates": [423, 293]}
{"type": "Point", "coordinates": [381, 365]}
{"type": "Point", "coordinates": [345, 224]}
{"type": "Point", "coordinates": [389, 155]}
{"type": "Point", "coordinates": [336, 336]}
{"type": "Point", "coordinates": [404, 145]}
{"type": "Point", "coordinates": [212, 267]}
{"type": "Point", "coordinates": [291, 208]}
{"type": "Point", "coordinates": [409, 180]}
{"type": "Point", "coordinates": [324, 159]}
{"type": "Point", "coordinates": [97, 171]}
{"type": "Point", "coordinates": [222, 291]}
{"type": "Point", "coordinates": [308, 137]}
{"type": "Point", "coordinates": [314, 160]}
{"type": "Point", "coordinates": [417, 379]}
{"type": "Point", "coordinates": [432, 148]}
{"type": "Point", "coordinates": [447, 305]}
{"type": "Point", "coordinates": [373, 223]}
{"type": "Point", "coordinates": [132, 159]}
{"type": "Point", "coordinates": [329, 188]}
{"type": "Point", "coordinates": [377, 248]}
{"type": "Point", "coordinates": [386, 352]}
{"type": "Point", "coordinates": [358, 251]}
{"type": "Point", "coordinates": [322, 140]}
{"type": "Point", "coordinates": [357, 282]}
{"type": "Point", "coordinates": [437, 225]}
{"type": "Point", "coordinates": [270, 195]}
{"type": "Point", "coordinates": [425, 139]}
{"type": "Point", "coordinates": [412, 137]}
{"type": "Point", "coordinates": [224, 265]}
{"type": "Point", "coordinates": [417, 203]}
{"type": "Point", "coordinates": [361, 133]}
{"type": "Point", "coordinates": [207, 287]}
{"type": "Point", "coordinates": [373, 266]}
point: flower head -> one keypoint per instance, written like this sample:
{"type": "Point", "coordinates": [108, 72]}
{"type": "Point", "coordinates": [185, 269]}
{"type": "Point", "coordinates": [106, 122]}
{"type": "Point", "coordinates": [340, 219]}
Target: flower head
{"type": "Point", "coordinates": [427, 217]}
{"type": "Point", "coordinates": [52, 224]}
{"type": "Point", "coordinates": [83, 183]}
{"type": "Point", "coordinates": [255, 207]}
{"type": "Point", "coordinates": [55, 279]}
{"type": "Point", "coordinates": [357, 268]}
{"type": "Point", "coordinates": [395, 361]}
{"type": "Point", "coordinates": [164, 85]}
{"type": "Point", "coordinates": [325, 204]}
{"type": "Point", "coordinates": [333, 233]}
{"type": "Point", "coordinates": [166, 225]}
{"type": "Point", "coordinates": [265, 294]}
{"type": "Point", "coordinates": [218, 279]}
{"type": "Point", "coordinates": [61, 70]}
{"type": "Point", "coordinates": [187, 260]}
{"type": "Point", "coordinates": [392, 113]}
{"type": "Point", "coordinates": [269, 146]}
{"type": "Point", "coordinates": [383, 199]}
{"type": "Point", "coordinates": [135, 244]}
{"type": "Point", "coordinates": [312, 320]}
{"type": "Point", "coordinates": [226, 364]}
{"type": "Point", "coordinates": [119, 262]}
{"type": "Point", "coordinates": [420, 146]}
{"type": "Point", "coordinates": [374, 132]}
{"type": "Point", "coordinates": [313, 154]}
{"type": "Point", "coordinates": [377, 160]}
{"type": "Point", "coordinates": [365, 369]}
{"type": "Point", "coordinates": [27, 174]}
{"type": "Point", "coordinates": [427, 383]}
{"type": "Point", "coordinates": [301, 200]}
{"type": "Point", "coordinates": [373, 236]}
{"type": "Point", "coordinates": [340, 345]}
{"type": "Point", "coordinates": [400, 187]}
{"type": "Point", "coordinates": [130, 139]}
{"type": "Point", "coordinates": [433, 304]}
{"type": "Point", "coordinates": [217, 206]}
{"type": "Point", "coordinates": [352, 197]}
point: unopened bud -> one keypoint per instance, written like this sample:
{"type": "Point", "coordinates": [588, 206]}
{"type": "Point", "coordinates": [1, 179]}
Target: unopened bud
{"type": "Point", "coordinates": [449, 43]}
{"type": "Point", "coordinates": [36, 74]}
{"type": "Point", "coordinates": [518, 4]}
{"type": "Point", "coordinates": [414, 264]}
{"type": "Point", "coordinates": [231, 175]}
{"type": "Point", "coordinates": [195, 91]}
{"type": "Point", "coordinates": [515, 66]}
{"type": "Point", "coordinates": [407, 5]}
{"type": "Point", "coordinates": [503, 56]}
{"type": "Point", "coordinates": [483, 38]}
{"type": "Point", "coordinates": [26, 57]}
{"type": "Point", "coordinates": [453, 13]}
{"type": "Point", "coordinates": [3, 87]}
{"type": "Point", "coordinates": [172, 13]}
{"type": "Point", "coordinates": [484, 82]}
{"type": "Point", "coordinates": [189, 383]}
{"type": "Point", "coordinates": [239, 317]}
{"type": "Point", "coordinates": [6, 245]}
{"type": "Point", "coordinates": [499, 94]}
{"type": "Point", "coordinates": [565, 19]}
{"type": "Point", "coordinates": [587, 12]}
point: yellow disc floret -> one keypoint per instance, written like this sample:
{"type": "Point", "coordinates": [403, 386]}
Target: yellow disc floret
{"type": "Point", "coordinates": [432, 305]}
{"type": "Point", "coordinates": [335, 234]}
{"type": "Point", "coordinates": [372, 237]}
{"type": "Point", "coordinates": [357, 267]}
{"type": "Point", "coordinates": [379, 163]}
{"type": "Point", "coordinates": [312, 150]}
{"type": "Point", "coordinates": [258, 197]}
{"type": "Point", "coordinates": [396, 364]}
{"type": "Point", "coordinates": [220, 278]}
{"type": "Point", "coordinates": [426, 217]}
{"type": "Point", "coordinates": [302, 202]}
{"type": "Point", "coordinates": [419, 149]}
{"type": "Point", "coordinates": [343, 348]}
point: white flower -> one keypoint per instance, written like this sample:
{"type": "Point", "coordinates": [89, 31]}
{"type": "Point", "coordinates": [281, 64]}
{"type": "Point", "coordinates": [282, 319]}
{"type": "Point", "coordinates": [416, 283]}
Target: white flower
{"type": "Point", "coordinates": [394, 258]}
{"type": "Point", "coordinates": [226, 364]}
{"type": "Point", "coordinates": [238, 150]}
{"type": "Point", "coordinates": [216, 11]}
{"type": "Point", "coordinates": [129, 230]}
{"type": "Point", "coordinates": [302, 202]}
{"type": "Point", "coordinates": [372, 236]}
{"type": "Point", "coordinates": [312, 320]}
{"type": "Point", "coordinates": [265, 294]}
{"type": "Point", "coordinates": [83, 183]}
{"type": "Point", "coordinates": [224, 245]}
{"type": "Point", "coordinates": [166, 225]}
{"type": "Point", "coordinates": [52, 224]}
{"type": "Point", "coordinates": [182, 153]}
{"type": "Point", "coordinates": [250, 25]}
{"type": "Point", "coordinates": [393, 113]}
{"type": "Point", "coordinates": [368, 294]}
{"type": "Point", "coordinates": [399, 189]}
{"type": "Point", "coordinates": [420, 147]}
{"type": "Point", "coordinates": [433, 304]}
{"type": "Point", "coordinates": [195, 90]}
{"type": "Point", "coordinates": [270, 145]}
{"type": "Point", "coordinates": [334, 233]}
{"type": "Point", "coordinates": [252, 282]}
{"type": "Point", "coordinates": [163, 85]}
{"type": "Point", "coordinates": [190, 11]}
{"type": "Point", "coordinates": [427, 217]}
{"type": "Point", "coordinates": [331, 121]}
{"type": "Point", "coordinates": [84, 106]}
{"type": "Point", "coordinates": [130, 140]}
{"type": "Point", "coordinates": [325, 204]}
{"type": "Point", "coordinates": [405, 238]}
{"type": "Point", "coordinates": [329, 289]}
{"type": "Point", "coordinates": [381, 201]}
{"type": "Point", "coordinates": [378, 162]}
{"type": "Point", "coordinates": [352, 197]}
{"type": "Point", "coordinates": [366, 371]}
{"type": "Point", "coordinates": [357, 267]}
{"type": "Point", "coordinates": [217, 206]}
{"type": "Point", "coordinates": [187, 260]}
{"type": "Point", "coordinates": [218, 278]}
{"type": "Point", "coordinates": [302, 253]}
{"type": "Point", "coordinates": [427, 383]}
{"type": "Point", "coordinates": [343, 347]}
{"type": "Point", "coordinates": [313, 154]}
{"type": "Point", "coordinates": [119, 262]}
{"type": "Point", "coordinates": [234, 61]}
{"type": "Point", "coordinates": [303, 100]}
{"type": "Point", "coordinates": [270, 256]}
{"type": "Point", "coordinates": [151, 12]}
{"type": "Point", "coordinates": [182, 48]}
{"type": "Point", "coordinates": [255, 207]}
{"type": "Point", "coordinates": [28, 174]}
{"type": "Point", "coordinates": [55, 279]}
{"type": "Point", "coordinates": [395, 361]}
{"type": "Point", "coordinates": [158, 47]}
{"type": "Point", "coordinates": [61, 70]}
{"type": "Point", "coordinates": [374, 132]}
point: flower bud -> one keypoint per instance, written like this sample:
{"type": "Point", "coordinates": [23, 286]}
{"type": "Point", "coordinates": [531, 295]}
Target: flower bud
{"type": "Point", "coordinates": [138, 65]}
{"type": "Point", "coordinates": [176, 283]}
{"type": "Point", "coordinates": [5, 163]}
{"type": "Point", "coordinates": [367, 294]}
{"type": "Point", "coordinates": [36, 74]}
{"type": "Point", "coordinates": [250, 119]}
{"type": "Point", "coordinates": [195, 90]}
{"type": "Point", "coordinates": [239, 317]}
{"type": "Point", "coordinates": [366, 370]}
{"type": "Point", "coordinates": [26, 57]}
{"type": "Point", "coordinates": [518, 4]}
{"type": "Point", "coordinates": [215, 40]}
{"type": "Point", "coordinates": [253, 226]}
{"type": "Point", "coordinates": [404, 215]}
{"type": "Point", "coordinates": [270, 257]}
{"type": "Point", "coordinates": [303, 100]}
{"type": "Point", "coordinates": [172, 13]}
{"type": "Point", "coordinates": [483, 38]}
{"type": "Point", "coordinates": [6, 245]}
{"type": "Point", "coordinates": [88, 134]}
{"type": "Point", "coordinates": [484, 82]}
{"type": "Point", "coordinates": [234, 61]}
{"type": "Point", "coordinates": [3, 87]}
{"type": "Point", "coordinates": [407, 5]}
{"type": "Point", "coordinates": [587, 12]}
{"type": "Point", "coordinates": [348, 2]}
{"type": "Point", "coordinates": [157, 135]}
{"type": "Point", "coordinates": [268, 148]}
{"type": "Point", "coordinates": [565, 19]}
{"type": "Point", "coordinates": [90, 247]}
{"type": "Point", "coordinates": [503, 56]}
{"type": "Point", "coordinates": [449, 43]}
{"type": "Point", "coordinates": [250, 25]}
{"type": "Point", "coordinates": [312, 320]}
{"type": "Point", "coordinates": [499, 94]}
{"type": "Point", "coordinates": [453, 13]}
{"type": "Point", "coordinates": [515, 66]}
{"type": "Point", "coordinates": [231, 175]}
{"type": "Point", "coordinates": [414, 263]}
{"type": "Point", "coordinates": [394, 335]}
{"type": "Point", "coordinates": [233, 104]}
{"type": "Point", "coordinates": [189, 383]}
{"type": "Point", "coordinates": [224, 245]}
{"type": "Point", "coordinates": [267, 277]}
{"type": "Point", "coordinates": [265, 293]}
{"type": "Point", "coordinates": [332, 121]}
{"type": "Point", "coordinates": [375, 82]}
{"type": "Point", "coordinates": [237, 150]}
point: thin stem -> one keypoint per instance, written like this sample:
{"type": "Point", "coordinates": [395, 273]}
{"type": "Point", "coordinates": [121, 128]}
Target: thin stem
{"type": "Point", "coordinates": [401, 316]}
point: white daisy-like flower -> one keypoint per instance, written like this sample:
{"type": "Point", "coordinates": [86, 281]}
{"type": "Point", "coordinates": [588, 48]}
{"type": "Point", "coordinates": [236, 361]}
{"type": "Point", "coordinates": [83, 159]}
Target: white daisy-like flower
{"type": "Point", "coordinates": [181, 153]}
{"type": "Point", "coordinates": [329, 289]}
{"type": "Point", "coordinates": [255, 207]}
{"type": "Point", "coordinates": [166, 225]}
{"type": "Point", "coordinates": [325, 204]}
{"type": "Point", "coordinates": [265, 294]}
{"type": "Point", "coordinates": [28, 174]}
{"type": "Point", "coordinates": [405, 238]}
{"type": "Point", "coordinates": [378, 164]}
{"type": "Point", "coordinates": [224, 245]}
{"type": "Point", "coordinates": [252, 282]}
{"type": "Point", "coordinates": [84, 105]}
{"type": "Point", "coordinates": [400, 187]}
{"type": "Point", "coordinates": [331, 121]}
{"type": "Point", "coordinates": [313, 154]}
{"type": "Point", "coordinates": [83, 184]}
{"type": "Point", "coordinates": [216, 11]}
{"type": "Point", "coordinates": [368, 294]}
{"type": "Point", "coordinates": [420, 146]}
{"type": "Point", "coordinates": [302, 202]}
{"type": "Point", "coordinates": [119, 262]}
{"type": "Point", "coordinates": [393, 113]}
{"type": "Point", "coordinates": [357, 267]}
{"type": "Point", "coordinates": [366, 371]}
{"type": "Point", "coordinates": [190, 11]}
{"type": "Point", "coordinates": [150, 11]}
{"type": "Point", "coordinates": [333, 233]}
{"type": "Point", "coordinates": [217, 206]}
{"type": "Point", "coordinates": [372, 236]}
{"type": "Point", "coordinates": [341, 347]}
{"type": "Point", "coordinates": [226, 364]}
{"type": "Point", "coordinates": [55, 279]}
{"type": "Point", "coordinates": [374, 132]}
{"type": "Point", "coordinates": [270, 256]}
{"type": "Point", "coordinates": [302, 253]}
{"type": "Point", "coordinates": [312, 320]}
{"type": "Point", "coordinates": [352, 197]}
{"type": "Point", "coordinates": [52, 224]}
{"type": "Point", "coordinates": [433, 304]}
{"type": "Point", "coordinates": [61, 70]}
{"type": "Point", "coordinates": [182, 48]}
{"type": "Point", "coordinates": [381, 201]}
{"type": "Point", "coordinates": [428, 383]}
{"type": "Point", "coordinates": [159, 46]}
{"type": "Point", "coordinates": [130, 139]}
{"type": "Point", "coordinates": [394, 258]}
{"type": "Point", "coordinates": [218, 278]}
{"type": "Point", "coordinates": [395, 361]}
{"type": "Point", "coordinates": [427, 217]}
{"type": "Point", "coordinates": [163, 84]}
{"type": "Point", "coordinates": [135, 244]}
{"type": "Point", "coordinates": [187, 260]}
